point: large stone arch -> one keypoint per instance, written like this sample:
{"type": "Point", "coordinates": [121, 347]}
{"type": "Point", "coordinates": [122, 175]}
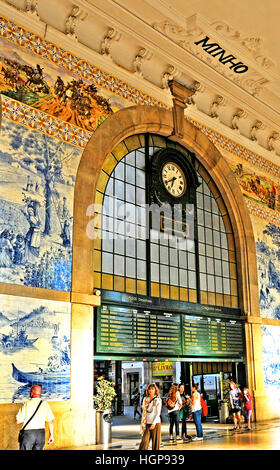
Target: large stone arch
{"type": "Point", "coordinates": [141, 119]}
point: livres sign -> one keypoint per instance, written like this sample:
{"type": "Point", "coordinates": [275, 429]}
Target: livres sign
{"type": "Point", "coordinates": [162, 369]}
{"type": "Point", "coordinates": [215, 50]}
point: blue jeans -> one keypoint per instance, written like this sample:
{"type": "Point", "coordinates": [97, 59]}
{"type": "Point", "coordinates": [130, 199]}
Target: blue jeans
{"type": "Point", "coordinates": [197, 421]}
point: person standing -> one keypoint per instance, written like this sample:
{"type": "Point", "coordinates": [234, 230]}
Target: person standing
{"type": "Point", "coordinates": [185, 411]}
{"type": "Point", "coordinates": [136, 401]}
{"type": "Point", "coordinates": [196, 412]}
{"type": "Point", "coordinates": [151, 420]}
{"type": "Point", "coordinates": [34, 432]}
{"type": "Point", "coordinates": [174, 404]}
{"type": "Point", "coordinates": [235, 397]}
{"type": "Point", "coordinates": [247, 406]}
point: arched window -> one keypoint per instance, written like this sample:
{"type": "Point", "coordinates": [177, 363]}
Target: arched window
{"type": "Point", "coordinates": [189, 255]}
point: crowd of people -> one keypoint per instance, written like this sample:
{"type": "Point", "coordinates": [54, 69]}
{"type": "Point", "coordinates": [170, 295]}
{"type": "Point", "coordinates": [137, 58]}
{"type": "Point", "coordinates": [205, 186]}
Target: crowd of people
{"type": "Point", "coordinates": [180, 407]}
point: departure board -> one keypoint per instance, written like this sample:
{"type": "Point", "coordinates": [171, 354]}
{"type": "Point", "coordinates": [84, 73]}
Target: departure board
{"type": "Point", "coordinates": [212, 336]}
{"type": "Point", "coordinates": [122, 330]}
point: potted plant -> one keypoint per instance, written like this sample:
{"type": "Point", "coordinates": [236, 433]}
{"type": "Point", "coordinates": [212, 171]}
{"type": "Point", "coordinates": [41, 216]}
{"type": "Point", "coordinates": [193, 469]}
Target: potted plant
{"type": "Point", "coordinates": [105, 392]}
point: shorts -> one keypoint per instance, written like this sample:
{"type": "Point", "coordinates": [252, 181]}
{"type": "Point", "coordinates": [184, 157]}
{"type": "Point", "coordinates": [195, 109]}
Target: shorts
{"type": "Point", "coordinates": [236, 409]}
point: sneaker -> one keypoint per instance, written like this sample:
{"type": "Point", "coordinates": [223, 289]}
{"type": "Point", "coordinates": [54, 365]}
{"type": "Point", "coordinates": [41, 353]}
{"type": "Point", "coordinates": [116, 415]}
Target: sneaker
{"type": "Point", "coordinates": [171, 439]}
{"type": "Point", "coordinates": [197, 438]}
{"type": "Point", "coordinates": [179, 439]}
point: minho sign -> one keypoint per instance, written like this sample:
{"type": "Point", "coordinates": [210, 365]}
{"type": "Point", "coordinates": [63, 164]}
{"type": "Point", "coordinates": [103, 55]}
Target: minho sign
{"type": "Point", "coordinates": [215, 50]}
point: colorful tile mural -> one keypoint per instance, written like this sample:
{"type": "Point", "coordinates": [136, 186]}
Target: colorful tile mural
{"type": "Point", "coordinates": [34, 348]}
{"type": "Point", "coordinates": [271, 358]}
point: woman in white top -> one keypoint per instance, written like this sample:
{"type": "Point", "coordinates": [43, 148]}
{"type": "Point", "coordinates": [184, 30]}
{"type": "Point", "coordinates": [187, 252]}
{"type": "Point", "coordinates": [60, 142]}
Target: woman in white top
{"type": "Point", "coordinates": [196, 412]}
{"type": "Point", "coordinates": [174, 404]}
{"type": "Point", "coordinates": [151, 420]}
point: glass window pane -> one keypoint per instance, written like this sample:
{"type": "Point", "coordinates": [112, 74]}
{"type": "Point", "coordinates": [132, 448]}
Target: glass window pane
{"type": "Point", "coordinates": [211, 283]}
{"type": "Point", "coordinates": [130, 193]}
{"type": "Point", "coordinates": [163, 254]}
{"type": "Point", "coordinates": [130, 158]}
{"type": "Point", "coordinates": [182, 259]}
{"type": "Point", "coordinates": [199, 200]}
{"type": "Point", "coordinates": [141, 270]}
{"type": "Point", "coordinates": [130, 247]}
{"type": "Point", "coordinates": [154, 250]}
{"type": "Point", "coordinates": [224, 240]}
{"type": "Point", "coordinates": [183, 273]}
{"type": "Point", "coordinates": [219, 285]}
{"type": "Point", "coordinates": [209, 236]}
{"type": "Point", "coordinates": [140, 178]}
{"type": "Point", "coordinates": [216, 238]}
{"type": "Point", "coordinates": [208, 219]}
{"type": "Point", "coordinates": [130, 174]}
{"type": "Point", "coordinates": [119, 265]}
{"type": "Point", "coordinates": [191, 261]}
{"type": "Point", "coordinates": [201, 235]}
{"type": "Point", "coordinates": [107, 262]}
{"type": "Point", "coordinates": [210, 266]}
{"type": "Point", "coordinates": [107, 243]}
{"type": "Point", "coordinates": [119, 245]}
{"type": "Point", "coordinates": [119, 189]}
{"type": "Point", "coordinates": [218, 267]}
{"type": "Point", "coordinates": [202, 264]}
{"type": "Point", "coordinates": [173, 256]}
{"type": "Point", "coordinates": [192, 279]}
{"type": "Point", "coordinates": [154, 272]}
{"type": "Point", "coordinates": [119, 171]}
{"type": "Point", "coordinates": [226, 284]}
{"type": "Point", "coordinates": [207, 203]}
{"type": "Point", "coordinates": [140, 196]}
{"type": "Point", "coordinates": [203, 282]}
{"type": "Point", "coordinates": [140, 159]}
{"type": "Point", "coordinates": [164, 274]}
{"type": "Point", "coordinates": [209, 251]}
{"type": "Point", "coordinates": [200, 217]}
{"type": "Point", "coordinates": [174, 276]}
{"type": "Point", "coordinates": [130, 266]}
{"type": "Point", "coordinates": [141, 249]}
{"type": "Point", "coordinates": [225, 269]}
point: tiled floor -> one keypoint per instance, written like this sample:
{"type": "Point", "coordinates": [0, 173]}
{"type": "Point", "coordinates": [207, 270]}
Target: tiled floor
{"type": "Point", "coordinates": [264, 436]}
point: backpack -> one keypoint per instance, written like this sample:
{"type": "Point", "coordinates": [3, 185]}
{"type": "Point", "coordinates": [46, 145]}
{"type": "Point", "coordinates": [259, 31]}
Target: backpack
{"type": "Point", "coordinates": [204, 407]}
{"type": "Point", "coordinates": [170, 404]}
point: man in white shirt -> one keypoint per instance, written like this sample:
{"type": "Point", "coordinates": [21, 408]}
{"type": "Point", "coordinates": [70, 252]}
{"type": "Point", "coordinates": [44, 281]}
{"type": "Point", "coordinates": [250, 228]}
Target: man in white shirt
{"type": "Point", "coordinates": [34, 432]}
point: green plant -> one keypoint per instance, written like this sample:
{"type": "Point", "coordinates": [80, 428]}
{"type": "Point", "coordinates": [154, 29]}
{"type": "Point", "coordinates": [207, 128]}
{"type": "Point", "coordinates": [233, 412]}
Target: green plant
{"type": "Point", "coordinates": [105, 392]}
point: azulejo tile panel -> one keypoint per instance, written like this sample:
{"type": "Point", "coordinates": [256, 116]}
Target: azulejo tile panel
{"type": "Point", "coordinates": [34, 348]}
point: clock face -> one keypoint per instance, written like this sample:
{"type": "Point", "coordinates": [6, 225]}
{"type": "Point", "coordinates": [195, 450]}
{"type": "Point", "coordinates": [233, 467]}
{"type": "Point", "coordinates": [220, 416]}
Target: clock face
{"type": "Point", "coordinates": [173, 179]}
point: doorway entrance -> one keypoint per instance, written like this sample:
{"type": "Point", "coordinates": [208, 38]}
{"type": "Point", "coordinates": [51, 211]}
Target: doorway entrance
{"type": "Point", "coordinates": [133, 383]}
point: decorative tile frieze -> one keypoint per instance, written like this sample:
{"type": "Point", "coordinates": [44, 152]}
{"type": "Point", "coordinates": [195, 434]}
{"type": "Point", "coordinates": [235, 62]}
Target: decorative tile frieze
{"type": "Point", "coordinates": [41, 122]}
{"type": "Point", "coordinates": [47, 50]}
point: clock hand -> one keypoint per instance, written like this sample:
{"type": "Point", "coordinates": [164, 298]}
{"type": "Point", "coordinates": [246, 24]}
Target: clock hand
{"type": "Point", "coordinates": [172, 179]}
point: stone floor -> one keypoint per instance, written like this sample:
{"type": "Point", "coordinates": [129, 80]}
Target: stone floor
{"type": "Point", "coordinates": [263, 436]}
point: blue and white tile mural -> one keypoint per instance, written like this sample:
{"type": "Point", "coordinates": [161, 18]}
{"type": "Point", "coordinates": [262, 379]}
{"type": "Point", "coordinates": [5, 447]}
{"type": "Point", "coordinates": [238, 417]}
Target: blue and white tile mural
{"type": "Point", "coordinates": [267, 238]}
{"type": "Point", "coordinates": [34, 348]}
{"type": "Point", "coordinates": [271, 357]}
{"type": "Point", "coordinates": [37, 177]}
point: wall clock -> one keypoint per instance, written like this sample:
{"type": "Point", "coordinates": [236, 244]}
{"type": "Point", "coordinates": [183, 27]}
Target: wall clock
{"type": "Point", "coordinates": [173, 178]}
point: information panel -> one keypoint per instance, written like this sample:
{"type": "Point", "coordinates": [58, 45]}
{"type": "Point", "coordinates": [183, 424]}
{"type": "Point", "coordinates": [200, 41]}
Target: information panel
{"type": "Point", "coordinates": [212, 336]}
{"type": "Point", "coordinates": [122, 330]}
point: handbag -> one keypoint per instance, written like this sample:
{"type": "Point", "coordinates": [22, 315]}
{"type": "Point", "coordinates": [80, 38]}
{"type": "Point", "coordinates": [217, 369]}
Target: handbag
{"type": "Point", "coordinates": [20, 435]}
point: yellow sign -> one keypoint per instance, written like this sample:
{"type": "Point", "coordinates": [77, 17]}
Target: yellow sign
{"type": "Point", "coordinates": [162, 368]}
